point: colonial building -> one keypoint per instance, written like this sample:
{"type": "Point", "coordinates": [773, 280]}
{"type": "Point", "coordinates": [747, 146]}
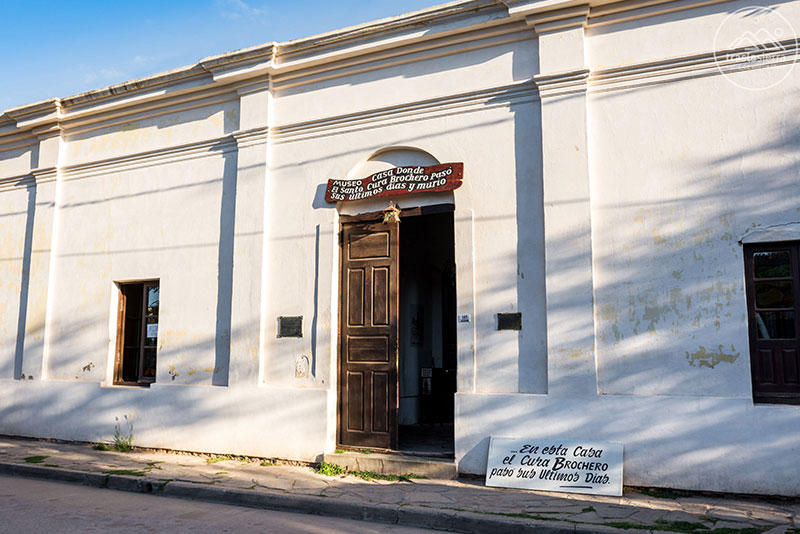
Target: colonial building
{"type": "Point", "coordinates": [605, 245]}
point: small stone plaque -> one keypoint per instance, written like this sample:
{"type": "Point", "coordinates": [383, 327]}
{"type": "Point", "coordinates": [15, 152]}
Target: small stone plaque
{"type": "Point", "coordinates": [509, 321]}
{"type": "Point", "coordinates": [290, 326]}
{"type": "Point", "coordinates": [570, 466]}
{"type": "Point", "coordinates": [301, 367]}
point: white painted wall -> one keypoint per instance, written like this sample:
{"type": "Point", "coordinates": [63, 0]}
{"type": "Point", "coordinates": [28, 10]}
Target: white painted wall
{"type": "Point", "coordinates": [609, 172]}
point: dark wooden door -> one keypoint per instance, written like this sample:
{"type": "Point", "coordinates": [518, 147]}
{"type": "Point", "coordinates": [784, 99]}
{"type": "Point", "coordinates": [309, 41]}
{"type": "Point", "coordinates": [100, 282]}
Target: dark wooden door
{"type": "Point", "coordinates": [773, 290]}
{"type": "Point", "coordinates": [368, 400]}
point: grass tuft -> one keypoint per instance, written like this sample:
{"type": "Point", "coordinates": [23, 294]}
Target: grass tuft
{"type": "Point", "coordinates": [333, 470]}
{"type": "Point", "coordinates": [129, 472]}
{"type": "Point", "coordinates": [330, 470]}
{"type": "Point", "coordinates": [371, 475]}
{"type": "Point", "coordinates": [661, 493]}
{"type": "Point", "coordinates": [36, 459]}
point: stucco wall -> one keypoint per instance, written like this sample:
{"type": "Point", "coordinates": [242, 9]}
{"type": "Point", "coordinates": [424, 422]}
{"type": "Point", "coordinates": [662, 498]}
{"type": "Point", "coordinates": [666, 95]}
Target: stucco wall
{"type": "Point", "coordinates": [609, 172]}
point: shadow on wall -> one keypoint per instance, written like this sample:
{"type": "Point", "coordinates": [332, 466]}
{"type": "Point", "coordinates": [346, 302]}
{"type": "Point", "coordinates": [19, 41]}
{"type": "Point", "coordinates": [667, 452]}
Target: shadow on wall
{"type": "Point", "coordinates": [227, 218]}
{"type": "Point", "coordinates": [715, 194]}
{"type": "Point", "coordinates": [669, 299]}
{"type": "Point", "coordinates": [207, 419]}
{"type": "Point", "coordinates": [98, 353]}
{"type": "Point", "coordinates": [27, 254]}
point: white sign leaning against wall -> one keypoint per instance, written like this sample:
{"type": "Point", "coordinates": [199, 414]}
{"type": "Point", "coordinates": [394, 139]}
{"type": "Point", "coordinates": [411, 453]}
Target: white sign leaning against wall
{"type": "Point", "coordinates": [555, 465]}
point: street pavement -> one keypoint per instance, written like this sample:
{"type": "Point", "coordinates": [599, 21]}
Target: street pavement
{"type": "Point", "coordinates": [458, 505]}
{"type": "Point", "coordinates": [37, 506]}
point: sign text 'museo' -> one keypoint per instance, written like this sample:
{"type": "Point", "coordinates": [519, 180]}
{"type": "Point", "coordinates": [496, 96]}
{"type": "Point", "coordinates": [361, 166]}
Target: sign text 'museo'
{"type": "Point", "coordinates": [397, 181]}
{"type": "Point", "coordinates": [555, 465]}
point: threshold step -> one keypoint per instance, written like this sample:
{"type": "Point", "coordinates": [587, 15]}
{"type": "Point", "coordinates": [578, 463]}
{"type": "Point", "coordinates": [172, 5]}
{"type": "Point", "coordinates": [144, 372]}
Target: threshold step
{"type": "Point", "coordinates": [394, 464]}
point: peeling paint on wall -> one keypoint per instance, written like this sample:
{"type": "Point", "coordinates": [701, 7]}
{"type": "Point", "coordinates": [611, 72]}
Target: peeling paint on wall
{"type": "Point", "coordinates": [703, 358]}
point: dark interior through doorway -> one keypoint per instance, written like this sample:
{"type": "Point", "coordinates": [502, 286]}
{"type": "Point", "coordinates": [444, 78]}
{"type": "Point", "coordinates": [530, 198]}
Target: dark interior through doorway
{"type": "Point", "coordinates": [427, 334]}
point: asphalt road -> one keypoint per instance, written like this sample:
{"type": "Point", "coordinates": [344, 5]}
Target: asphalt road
{"type": "Point", "coordinates": [36, 506]}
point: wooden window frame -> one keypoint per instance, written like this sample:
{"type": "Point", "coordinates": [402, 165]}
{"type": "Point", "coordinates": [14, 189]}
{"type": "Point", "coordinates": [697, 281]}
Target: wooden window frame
{"type": "Point", "coordinates": [141, 380]}
{"type": "Point", "coordinates": [761, 394]}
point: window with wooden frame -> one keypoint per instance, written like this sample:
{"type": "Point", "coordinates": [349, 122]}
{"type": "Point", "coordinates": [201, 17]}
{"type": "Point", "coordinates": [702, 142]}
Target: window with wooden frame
{"type": "Point", "coordinates": [772, 272]}
{"type": "Point", "coordinates": [137, 333]}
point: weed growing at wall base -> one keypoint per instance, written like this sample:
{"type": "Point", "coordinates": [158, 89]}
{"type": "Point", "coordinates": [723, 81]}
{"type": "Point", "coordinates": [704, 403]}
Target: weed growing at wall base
{"type": "Point", "coordinates": [121, 442]}
{"type": "Point", "coordinates": [333, 470]}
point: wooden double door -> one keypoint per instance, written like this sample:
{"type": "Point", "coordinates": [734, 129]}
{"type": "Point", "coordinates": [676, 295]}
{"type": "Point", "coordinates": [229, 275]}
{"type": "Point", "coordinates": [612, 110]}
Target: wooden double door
{"type": "Point", "coordinates": [368, 361]}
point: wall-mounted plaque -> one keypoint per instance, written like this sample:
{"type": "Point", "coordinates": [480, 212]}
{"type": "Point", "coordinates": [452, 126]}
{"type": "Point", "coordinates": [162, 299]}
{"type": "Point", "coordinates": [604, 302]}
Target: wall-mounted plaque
{"type": "Point", "coordinates": [509, 321]}
{"type": "Point", "coordinates": [555, 465]}
{"type": "Point", "coordinates": [290, 326]}
{"type": "Point", "coordinates": [397, 181]}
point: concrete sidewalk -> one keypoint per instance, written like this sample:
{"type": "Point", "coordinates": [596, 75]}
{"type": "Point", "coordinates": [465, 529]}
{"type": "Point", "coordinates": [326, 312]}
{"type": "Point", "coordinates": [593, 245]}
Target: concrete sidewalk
{"type": "Point", "coordinates": [458, 505]}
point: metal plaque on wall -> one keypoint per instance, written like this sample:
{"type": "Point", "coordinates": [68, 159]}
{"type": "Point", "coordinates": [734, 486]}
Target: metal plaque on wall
{"type": "Point", "coordinates": [290, 326]}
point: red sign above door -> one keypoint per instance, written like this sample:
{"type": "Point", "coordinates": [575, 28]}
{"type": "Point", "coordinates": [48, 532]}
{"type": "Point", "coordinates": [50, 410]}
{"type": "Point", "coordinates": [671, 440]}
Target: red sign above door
{"type": "Point", "coordinates": [397, 181]}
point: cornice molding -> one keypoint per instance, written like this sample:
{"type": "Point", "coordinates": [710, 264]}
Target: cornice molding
{"type": "Point", "coordinates": [23, 140]}
{"type": "Point", "coordinates": [251, 137]}
{"type": "Point", "coordinates": [304, 73]}
{"type": "Point", "coordinates": [414, 111]}
{"type": "Point", "coordinates": [140, 84]}
{"type": "Point", "coordinates": [45, 175]}
{"type": "Point", "coordinates": [161, 156]}
{"type": "Point", "coordinates": [241, 64]}
{"type": "Point", "coordinates": [572, 17]}
{"type": "Point", "coordinates": [406, 38]}
{"type": "Point", "coordinates": [146, 109]}
{"type": "Point", "coordinates": [628, 10]}
{"type": "Point", "coordinates": [18, 181]}
{"type": "Point", "coordinates": [47, 131]}
{"type": "Point", "coordinates": [259, 86]}
{"type": "Point", "coordinates": [36, 115]}
{"type": "Point", "coordinates": [671, 70]}
{"type": "Point", "coordinates": [561, 84]}
{"type": "Point", "coordinates": [388, 25]}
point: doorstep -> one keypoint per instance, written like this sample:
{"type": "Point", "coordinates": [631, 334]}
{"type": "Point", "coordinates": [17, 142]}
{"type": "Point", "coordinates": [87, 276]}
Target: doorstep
{"type": "Point", "coordinates": [395, 464]}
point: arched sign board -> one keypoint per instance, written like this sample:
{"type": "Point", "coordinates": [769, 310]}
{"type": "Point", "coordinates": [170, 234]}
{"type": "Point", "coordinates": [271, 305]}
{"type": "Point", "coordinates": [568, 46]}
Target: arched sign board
{"type": "Point", "coordinates": [397, 181]}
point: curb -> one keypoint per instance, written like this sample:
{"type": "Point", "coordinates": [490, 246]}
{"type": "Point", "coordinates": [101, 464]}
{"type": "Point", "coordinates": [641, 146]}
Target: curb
{"type": "Point", "coordinates": [467, 522]}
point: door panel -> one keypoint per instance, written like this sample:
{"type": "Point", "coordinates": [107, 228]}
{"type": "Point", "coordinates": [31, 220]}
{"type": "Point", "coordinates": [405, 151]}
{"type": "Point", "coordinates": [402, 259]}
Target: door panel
{"type": "Point", "coordinates": [368, 349]}
{"type": "Point", "coordinates": [380, 401]}
{"type": "Point", "coordinates": [368, 399]}
{"type": "Point", "coordinates": [380, 296]}
{"type": "Point", "coordinates": [356, 300]}
{"type": "Point", "coordinates": [355, 399]}
{"type": "Point", "coordinates": [790, 374]}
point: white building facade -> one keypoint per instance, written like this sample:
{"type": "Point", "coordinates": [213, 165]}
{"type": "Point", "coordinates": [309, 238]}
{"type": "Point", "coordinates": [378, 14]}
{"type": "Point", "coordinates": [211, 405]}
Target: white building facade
{"type": "Point", "coordinates": [620, 263]}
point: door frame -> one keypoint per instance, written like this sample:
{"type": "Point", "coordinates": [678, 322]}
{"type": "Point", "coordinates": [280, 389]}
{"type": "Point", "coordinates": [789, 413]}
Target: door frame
{"type": "Point", "coordinates": [360, 218]}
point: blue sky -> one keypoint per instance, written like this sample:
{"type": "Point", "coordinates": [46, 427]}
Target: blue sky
{"type": "Point", "coordinates": [60, 48]}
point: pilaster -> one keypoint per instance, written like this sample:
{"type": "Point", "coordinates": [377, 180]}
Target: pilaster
{"type": "Point", "coordinates": [246, 236]}
{"type": "Point", "coordinates": [37, 252]}
{"type": "Point", "coordinates": [562, 84]}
